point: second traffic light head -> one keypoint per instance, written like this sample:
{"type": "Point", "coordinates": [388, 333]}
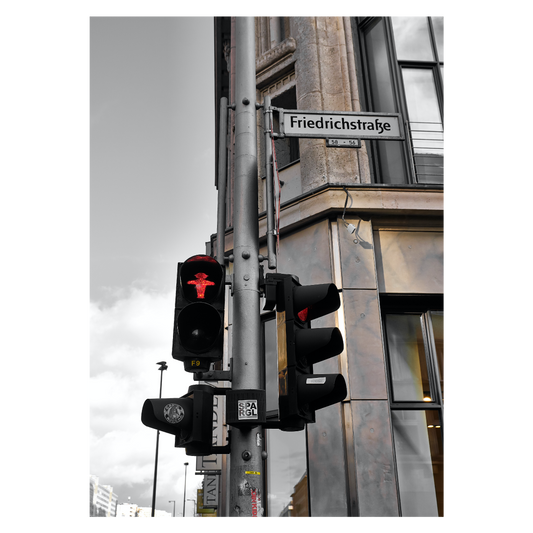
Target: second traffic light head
{"type": "Point", "coordinates": [300, 391]}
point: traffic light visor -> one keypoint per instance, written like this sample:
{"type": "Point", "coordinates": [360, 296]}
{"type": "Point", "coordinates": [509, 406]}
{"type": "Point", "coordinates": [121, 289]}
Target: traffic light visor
{"type": "Point", "coordinates": [318, 344]}
{"type": "Point", "coordinates": [171, 415]}
{"type": "Point", "coordinates": [321, 390]}
{"type": "Point", "coordinates": [314, 301]}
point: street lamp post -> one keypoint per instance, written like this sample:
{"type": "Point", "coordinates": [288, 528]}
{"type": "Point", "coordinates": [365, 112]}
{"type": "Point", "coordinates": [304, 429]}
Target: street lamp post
{"type": "Point", "coordinates": [185, 489]}
{"type": "Point", "coordinates": [163, 366]}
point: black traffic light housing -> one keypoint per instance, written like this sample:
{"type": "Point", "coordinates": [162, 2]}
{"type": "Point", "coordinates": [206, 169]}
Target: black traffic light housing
{"type": "Point", "coordinates": [301, 392]}
{"type": "Point", "coordinates": [198, 334]}
{"type": "Point", "coordinates": [189, 418]}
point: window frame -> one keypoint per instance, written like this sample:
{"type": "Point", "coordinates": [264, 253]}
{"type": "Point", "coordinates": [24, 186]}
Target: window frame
{"type": "Point", "coordinates": [411, 305]}
{"type": "Point", "coordinates": [434, 66]}
{"type": "Point", "coordinates": [361, 27]}
{"type": "Point", "coordinates": [273, 415]}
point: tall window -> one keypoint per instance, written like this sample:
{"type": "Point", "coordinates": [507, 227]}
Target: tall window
{"type": "Point", "coordinates": [404, 61]}
{"type": "Point", "coordinates": [287, 148]}
{"type": "Point", "coordinates": [416, 371]}
{"type": "Point", "coordinates": [286, 466]}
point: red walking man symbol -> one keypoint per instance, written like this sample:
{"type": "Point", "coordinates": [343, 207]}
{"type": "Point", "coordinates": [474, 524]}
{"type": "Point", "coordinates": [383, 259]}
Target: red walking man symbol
{"type": "Point", "coordinates": [201, 284]}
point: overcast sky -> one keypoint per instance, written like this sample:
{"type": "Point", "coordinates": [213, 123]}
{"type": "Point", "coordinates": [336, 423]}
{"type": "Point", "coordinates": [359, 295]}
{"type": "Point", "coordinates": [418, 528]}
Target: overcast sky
{"type": "Point", "coordinates": [153, 204]}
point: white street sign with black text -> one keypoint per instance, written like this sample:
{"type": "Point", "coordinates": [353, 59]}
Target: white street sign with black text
{"type": "Point", "coordinates": [333, 124]}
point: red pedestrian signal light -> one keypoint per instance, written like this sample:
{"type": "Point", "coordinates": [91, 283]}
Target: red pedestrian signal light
{"type": "Point", "coordinates": [200, 278]}
{"type": "Point", "coordinates": [200, 283]}
{"type": "Point", "coordinates": [199, 313]}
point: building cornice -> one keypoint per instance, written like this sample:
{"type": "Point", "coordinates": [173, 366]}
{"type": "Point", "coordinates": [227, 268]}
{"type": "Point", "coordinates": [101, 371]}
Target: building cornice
{"type": "Point", "coordinates": [275, 62]}
{"type": "Point", "coordinates": [371, 200]}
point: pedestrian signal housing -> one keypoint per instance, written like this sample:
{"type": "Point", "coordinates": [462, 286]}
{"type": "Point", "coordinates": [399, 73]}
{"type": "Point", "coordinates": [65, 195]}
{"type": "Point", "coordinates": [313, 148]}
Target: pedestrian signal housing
{"type": "Point", "coordinates": [198, 334]}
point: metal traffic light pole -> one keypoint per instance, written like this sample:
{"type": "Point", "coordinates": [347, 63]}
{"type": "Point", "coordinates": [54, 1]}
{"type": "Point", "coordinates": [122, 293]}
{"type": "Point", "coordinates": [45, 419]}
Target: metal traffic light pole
{"type": "Point", "coordinates": [246, 461]}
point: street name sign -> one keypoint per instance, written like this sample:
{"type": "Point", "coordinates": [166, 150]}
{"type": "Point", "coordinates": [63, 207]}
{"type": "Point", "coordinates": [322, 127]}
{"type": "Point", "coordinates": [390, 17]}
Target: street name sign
{"type": "Point", "coordinates": [337, 124]}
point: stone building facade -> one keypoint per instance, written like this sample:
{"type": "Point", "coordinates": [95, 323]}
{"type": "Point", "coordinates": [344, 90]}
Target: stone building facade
{"type": "Point", "coordinates": [369, 220]}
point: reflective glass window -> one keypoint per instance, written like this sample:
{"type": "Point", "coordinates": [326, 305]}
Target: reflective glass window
{"type": "Point", "coordinates": [407, 357]}
{"type": "Point", "coordinates": [427, 131]}
{"type": "Point", "coordinates": [286, 466]}
{"type": "Point", "coordinates": [415, 348]}
{"type": "Point", "coordinates": [440, 28]}
{"type": "Point", "coordinates": [287, 474]}
{"type": "Point", "coordinates": [412, 38]}
{"type": "Point", "coordinates": [389, 153]}
{"type": "Point", "coordinates": [419, 459]}
{"type": "Point", "coordinates": [439, 322]}
{"type": "Point", "coordinates": [421, 96]}
{"type": "Point", "coordinates": [404, 64]}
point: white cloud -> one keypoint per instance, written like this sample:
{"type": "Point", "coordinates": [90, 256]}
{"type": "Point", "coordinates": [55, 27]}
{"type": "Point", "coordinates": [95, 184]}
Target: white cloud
{"type": "Point", "coordinates": [127, 340]}
{"type": "Point", "coordinates": [138, 324]}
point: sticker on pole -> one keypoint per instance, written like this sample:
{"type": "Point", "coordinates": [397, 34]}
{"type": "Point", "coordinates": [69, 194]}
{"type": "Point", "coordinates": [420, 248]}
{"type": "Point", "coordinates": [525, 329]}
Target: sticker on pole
{"type": "Point", "coordinates": [247, 410]}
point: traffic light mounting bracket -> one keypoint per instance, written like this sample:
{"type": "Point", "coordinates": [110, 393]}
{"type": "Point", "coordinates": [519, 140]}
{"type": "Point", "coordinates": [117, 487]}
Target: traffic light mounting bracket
{"type": "Point", "coordinates": [269, 286]}
{"type": "Point", "coordinates": [215, 375]}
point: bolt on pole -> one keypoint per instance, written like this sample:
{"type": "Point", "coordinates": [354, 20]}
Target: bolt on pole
{"type": "Point", "coordinates": [246, 462]}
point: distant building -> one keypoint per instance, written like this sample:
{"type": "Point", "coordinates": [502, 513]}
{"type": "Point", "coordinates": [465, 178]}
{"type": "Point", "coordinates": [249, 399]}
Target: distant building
{"type": "Point", "coordinates": [146, 512]}
{"type": "Point", "coordinates": [286, 511]}
{"type": "Point", "coordinates": [132, 510]}
{"type": "Point", "coordinates": [126, 510]}
{"type": "Point", "coordinates": [102, 501]}
{"type": "Point", "coordinates": [300, 504]}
